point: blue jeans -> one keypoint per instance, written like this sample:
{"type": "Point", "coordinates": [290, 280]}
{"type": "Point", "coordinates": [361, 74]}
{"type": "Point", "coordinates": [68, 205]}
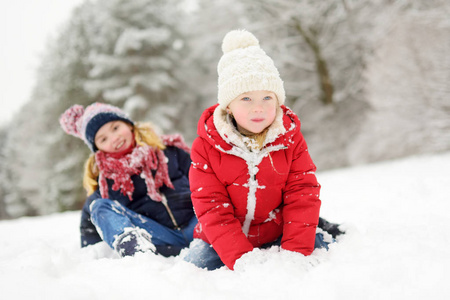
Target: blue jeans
{"type": "Point", "coordinates": [203, 254]}
{"type": "Point", "coordinates": [111, 218]}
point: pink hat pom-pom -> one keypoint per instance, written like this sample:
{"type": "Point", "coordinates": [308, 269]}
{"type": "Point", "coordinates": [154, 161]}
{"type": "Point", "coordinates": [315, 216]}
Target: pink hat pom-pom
{"type": "Point", "coordinates": [69, 120]}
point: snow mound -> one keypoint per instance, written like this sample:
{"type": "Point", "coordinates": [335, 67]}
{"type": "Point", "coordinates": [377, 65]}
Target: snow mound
{"type": "Point", "coordinates": [396, 247]}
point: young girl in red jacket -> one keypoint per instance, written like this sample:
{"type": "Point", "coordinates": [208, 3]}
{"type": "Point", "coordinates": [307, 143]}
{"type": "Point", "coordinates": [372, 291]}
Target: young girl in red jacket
{"type": "Point", "coordinates": [252, 179]}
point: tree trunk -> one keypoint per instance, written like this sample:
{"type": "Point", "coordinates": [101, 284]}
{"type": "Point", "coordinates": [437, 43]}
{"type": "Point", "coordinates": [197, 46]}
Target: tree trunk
{"type": "Point", "coordinates": [326, 85]}
{"type": "Point", "coordinates": [3, 213]}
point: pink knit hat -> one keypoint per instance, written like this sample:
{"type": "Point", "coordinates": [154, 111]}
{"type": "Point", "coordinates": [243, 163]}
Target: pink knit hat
{"type": "Point", "coordinates": [84, 123]}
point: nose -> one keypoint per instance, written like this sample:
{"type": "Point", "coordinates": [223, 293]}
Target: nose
{"type": "Point", "coordinates": [114, 138]}
{"type": "Point", "coordinates": [258, 107]}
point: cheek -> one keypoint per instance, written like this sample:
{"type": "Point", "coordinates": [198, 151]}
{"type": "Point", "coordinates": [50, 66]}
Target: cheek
{"type": "Point", "coordinates": [130, 136]}
{"type": "Point", "coordinates": [239, 116]}
{"type": "Point", "coordinates": [271, 112]}
{"type": "Point", "coordinates": [125, 131]}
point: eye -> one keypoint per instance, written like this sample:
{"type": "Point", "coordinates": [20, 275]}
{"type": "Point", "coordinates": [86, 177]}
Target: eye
{"type": "Point", "coordinates": [268, 98]}
{"type": "Point", "coordinates": [246, 99]}
{"type": "Point", "coordinates": [101, 140]}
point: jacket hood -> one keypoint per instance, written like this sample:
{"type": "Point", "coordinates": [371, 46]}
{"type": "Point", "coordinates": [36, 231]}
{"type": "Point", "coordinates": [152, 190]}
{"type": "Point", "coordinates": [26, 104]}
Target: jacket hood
{"type": "Point", "coordinates": [216, 127]}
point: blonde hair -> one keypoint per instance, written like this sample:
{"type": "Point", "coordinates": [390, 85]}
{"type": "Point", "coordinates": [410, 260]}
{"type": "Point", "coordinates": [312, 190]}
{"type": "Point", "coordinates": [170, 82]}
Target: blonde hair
{"type": "Point", "coordinates": [144, 134]}
{"type": "Point", "coordinates": [259, 138]}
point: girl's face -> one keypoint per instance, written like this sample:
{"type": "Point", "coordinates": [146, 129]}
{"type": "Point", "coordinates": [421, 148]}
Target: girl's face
{"type": "Point", "coordinates": [114, 137]}
{"type": "Point", "coordinates": [254, 111]}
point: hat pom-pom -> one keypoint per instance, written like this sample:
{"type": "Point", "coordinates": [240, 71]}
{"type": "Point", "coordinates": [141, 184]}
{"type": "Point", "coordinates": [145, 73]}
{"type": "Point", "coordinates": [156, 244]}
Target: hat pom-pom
{"type": "Point", "coordinates": [69, 119]}
{"type": "Point", "coordinates": [238, 39]}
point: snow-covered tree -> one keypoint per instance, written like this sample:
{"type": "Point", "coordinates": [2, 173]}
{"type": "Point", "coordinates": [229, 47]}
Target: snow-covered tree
{"type": "Point", "coordinates": [134, 64]}
{"type": "Point", "coordinates": [408, 86]}
{"type": "Point", "coordinates": [122, 52]}
{"type": "Point", "coordinates": [44, 164]}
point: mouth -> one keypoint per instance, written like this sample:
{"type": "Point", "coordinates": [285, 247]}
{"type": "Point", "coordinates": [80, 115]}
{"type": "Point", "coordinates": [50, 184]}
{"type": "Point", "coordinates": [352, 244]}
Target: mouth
{"type": "Point", "coordinates": [120, 145]}
{"type": "Point", "coordinates": [257, 120]}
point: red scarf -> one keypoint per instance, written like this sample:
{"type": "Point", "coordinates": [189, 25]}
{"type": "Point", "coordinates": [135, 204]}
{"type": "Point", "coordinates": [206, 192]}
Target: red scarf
{"type": "Point", "coordinates": [141, 160]}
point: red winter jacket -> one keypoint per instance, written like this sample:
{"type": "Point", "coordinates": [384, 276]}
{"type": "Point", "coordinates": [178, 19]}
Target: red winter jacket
{"type": "Point", "coordinates": [244, 199]}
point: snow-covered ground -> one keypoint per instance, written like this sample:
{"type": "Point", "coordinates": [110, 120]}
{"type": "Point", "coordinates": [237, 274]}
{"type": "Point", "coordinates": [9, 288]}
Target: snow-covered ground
{"type": "Point", "coordinates": [397, 217]}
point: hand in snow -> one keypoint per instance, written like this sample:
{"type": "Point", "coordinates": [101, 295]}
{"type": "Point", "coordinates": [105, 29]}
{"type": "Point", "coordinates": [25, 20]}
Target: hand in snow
{"type": "Point", "coordinates": [255, 257]}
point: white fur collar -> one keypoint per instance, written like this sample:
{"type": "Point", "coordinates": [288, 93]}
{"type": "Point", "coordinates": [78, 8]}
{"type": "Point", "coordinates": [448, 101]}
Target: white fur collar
{"type": "Point", "coordinates": [227, 130]}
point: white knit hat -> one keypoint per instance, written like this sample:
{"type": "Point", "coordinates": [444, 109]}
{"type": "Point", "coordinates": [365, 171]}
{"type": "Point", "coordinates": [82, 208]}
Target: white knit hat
{"type": "Point", "coordinates": [245, 67]}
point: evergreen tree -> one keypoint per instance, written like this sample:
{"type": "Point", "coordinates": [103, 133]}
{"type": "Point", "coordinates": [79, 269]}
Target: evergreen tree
{"type": "Point", "coordinates": [134, 64]}
{"type": "Point", "coordinates": [44, 164]}
{"type": "Point", "coordinates": [122, 52]}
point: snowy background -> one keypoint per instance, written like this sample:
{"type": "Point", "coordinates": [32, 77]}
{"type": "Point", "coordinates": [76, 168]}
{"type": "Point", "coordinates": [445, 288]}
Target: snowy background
{"type": "Point", "coordinates": [390, 100]}
{"type": "Point", "coordinates": [396, 247]}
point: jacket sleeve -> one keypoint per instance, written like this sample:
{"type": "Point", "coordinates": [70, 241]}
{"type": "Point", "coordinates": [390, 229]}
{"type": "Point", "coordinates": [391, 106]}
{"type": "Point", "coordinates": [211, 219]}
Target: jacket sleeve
{"type": "Point", "coordinates": [301, 202]}
{"type": "Point", "coordinates": [213, 207]}
{"type": "Point", "coordinates": [88, 232]}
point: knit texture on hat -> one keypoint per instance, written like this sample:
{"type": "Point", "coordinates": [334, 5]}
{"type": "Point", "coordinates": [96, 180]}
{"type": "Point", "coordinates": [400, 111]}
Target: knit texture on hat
{"type": "Point", "coordinates": [245, 67]}
{"type": "Point", "coordinates": [84, 123]}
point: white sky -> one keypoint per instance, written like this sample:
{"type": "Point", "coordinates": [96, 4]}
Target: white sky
{"type": "Point", "coordinates": [25, 27]}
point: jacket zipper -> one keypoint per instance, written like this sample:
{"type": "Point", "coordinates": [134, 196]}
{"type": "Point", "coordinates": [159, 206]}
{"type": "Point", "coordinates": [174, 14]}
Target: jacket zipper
{"type": "Point", "coordinates": [169, 211]}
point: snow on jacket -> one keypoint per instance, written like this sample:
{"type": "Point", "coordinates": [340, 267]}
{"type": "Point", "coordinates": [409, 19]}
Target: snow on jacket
{"type": "Point", "coordinates": [244, 199]}
{"type": "Point", "coordinates": [178, 199]}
